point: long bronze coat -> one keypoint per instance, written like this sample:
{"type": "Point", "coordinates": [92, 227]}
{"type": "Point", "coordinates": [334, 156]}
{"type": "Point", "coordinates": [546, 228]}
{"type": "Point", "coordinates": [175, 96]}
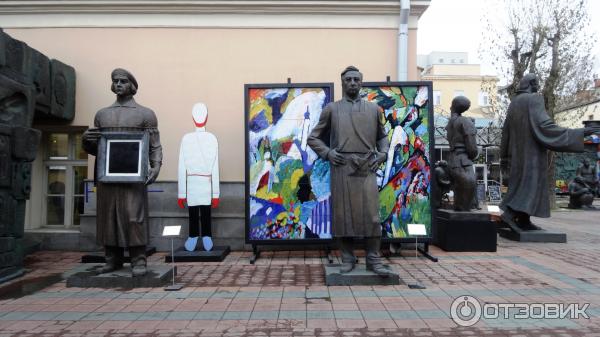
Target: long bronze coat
{"type": "Point", "coordinates": [354, 129]}
{"type": "Point", "coordinates": [122, 209]}
{"type": "Point", "coordinates": [461, 134]}
{"type": "Point", "coordinates": [527, 135]}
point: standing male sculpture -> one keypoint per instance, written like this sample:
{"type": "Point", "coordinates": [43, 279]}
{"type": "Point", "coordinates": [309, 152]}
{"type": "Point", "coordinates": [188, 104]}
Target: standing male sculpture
{"type": "Point", "coordinates": [461, 133]}
{"type": "Point", "coordinates": [357, 144]}
{"type": "Point", "coordinates": [122, 208]}
{"type": "Point", "coordinates": [527, 135]}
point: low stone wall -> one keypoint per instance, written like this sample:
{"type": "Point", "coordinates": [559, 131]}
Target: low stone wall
{"type": "Point", "coordinates": [227, 220]}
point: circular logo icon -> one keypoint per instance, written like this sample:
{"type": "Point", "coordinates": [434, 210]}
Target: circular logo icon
{"type": "Point", "coordinates": [465, 310]}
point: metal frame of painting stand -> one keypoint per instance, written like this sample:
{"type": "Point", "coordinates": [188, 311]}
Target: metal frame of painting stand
{"type": "Point", "coordinates": [321, 243]}
{"type": "Point", "coordinates": [424, 241]}
{"type": "Point", "coordinates": [256, 251]}
{"type": "Point", "coordinates": [172, 232]}
{"type": "Point", "coordinates": [423, 250]}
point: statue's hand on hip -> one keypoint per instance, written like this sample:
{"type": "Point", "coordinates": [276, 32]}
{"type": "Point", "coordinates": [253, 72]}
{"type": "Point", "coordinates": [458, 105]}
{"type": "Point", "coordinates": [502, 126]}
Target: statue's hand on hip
{"type": "Point", "coordinates": [377, 159]}
{"type": "Point", "coordinates": [336, 158]}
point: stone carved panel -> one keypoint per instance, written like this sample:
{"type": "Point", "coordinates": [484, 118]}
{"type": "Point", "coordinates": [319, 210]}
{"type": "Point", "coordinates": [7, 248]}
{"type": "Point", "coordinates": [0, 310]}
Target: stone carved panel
{"type": "Point", "coordinates": [5, 165]}
{"type": "Point", "coordinates": [7, 212]}
{"type": "Point", "coordinates": [18, 226]}
{"type": "Point", "coordinates": [16, 102]}
{"type": "Point", "coordinates": [30, 84]}
{"type": "Point", "coordinates": [40, 77]}
{"type": "Point", "coordinates": [25, 143]}
{"type": "Point", "coordinates": [17, 58]}
{"type": "Point", "coordinates": [21, 180]}
{"type": "Point", "coordinates": [9, 259]}
{"type": "Point", "coordinates": [63, 91]}
{"type": "Point", "coordinates": [7, 244]}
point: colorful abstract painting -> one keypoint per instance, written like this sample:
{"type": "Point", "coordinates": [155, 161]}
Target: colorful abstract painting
{"type": "Point", "coordinates": [287, 184]}
{"type": "Point", "coordinates": [404, 181]}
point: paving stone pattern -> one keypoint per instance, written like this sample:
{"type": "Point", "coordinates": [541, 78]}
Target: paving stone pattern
{"type": "Point", "coordinates": [283, 294]}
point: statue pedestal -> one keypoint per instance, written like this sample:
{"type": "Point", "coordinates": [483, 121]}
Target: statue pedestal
{"type": "Point", "coordinates": [465, 231]}
{"type": "Point", "coordinates": [540, 235]}
{"type": "Point", "coordinates": [7, 274]}
{"type": "Point", "coordinates": [359, 276]}
{"type": "Point", "coordinates": [86, 276]}
{"type": "Point", "coordinates": [217, 254]}
{"type": "Point", "coordinates": [98, 257]}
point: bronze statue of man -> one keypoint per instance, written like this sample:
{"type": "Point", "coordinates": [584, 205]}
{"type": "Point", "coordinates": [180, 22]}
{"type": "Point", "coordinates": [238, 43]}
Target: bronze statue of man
{"type": "Point", "coordinates": [351, 136]}
{"type": "Point", "coordinates": [527, 135]}
{"type": "Point", "coordinates": [580, 195]}
{"type": "Point", "coordinates": [589, 175]}
{"type": "Point", "coordinates": [461, 134]}
{"type": "Point", "coordinates": [122, 208]}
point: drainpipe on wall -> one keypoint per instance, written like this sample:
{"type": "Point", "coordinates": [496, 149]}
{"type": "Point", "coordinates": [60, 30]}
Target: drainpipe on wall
{"type": "Point", "coordinates": [403, 40]}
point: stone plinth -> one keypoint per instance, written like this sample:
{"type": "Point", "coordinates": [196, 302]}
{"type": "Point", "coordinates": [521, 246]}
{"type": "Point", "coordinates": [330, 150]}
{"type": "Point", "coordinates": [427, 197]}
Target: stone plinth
{"type": "Point", "coordinates": [217, 254]}
{"type": "Point", "coordinates": [465, 231]}
{"type": "Point", "coordinates": [540, 235]}
{"type": "Point", "coordinates": [87, 276]}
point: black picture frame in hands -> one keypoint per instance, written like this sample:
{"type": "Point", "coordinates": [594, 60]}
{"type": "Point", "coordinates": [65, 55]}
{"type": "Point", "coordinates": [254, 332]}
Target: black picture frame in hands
{"type": "Point", "coordinates": [123, 157]}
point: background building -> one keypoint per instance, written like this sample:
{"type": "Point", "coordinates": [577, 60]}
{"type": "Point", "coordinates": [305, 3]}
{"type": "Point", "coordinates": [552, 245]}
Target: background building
{"type": "Point", "coordinates": [452, 76]}
{"type": "Point", "coordinates": [181, 54]}
{"type": "Point", "coordinates": [584, 106]}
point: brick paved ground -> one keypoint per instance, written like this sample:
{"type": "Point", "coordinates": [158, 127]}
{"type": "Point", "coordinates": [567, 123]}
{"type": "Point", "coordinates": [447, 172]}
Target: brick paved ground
{"type": "Point", "coordinates": [283, 294]}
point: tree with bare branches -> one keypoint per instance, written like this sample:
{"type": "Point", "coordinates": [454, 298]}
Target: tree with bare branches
{"type": "Point", "coordinates": [551, 38]}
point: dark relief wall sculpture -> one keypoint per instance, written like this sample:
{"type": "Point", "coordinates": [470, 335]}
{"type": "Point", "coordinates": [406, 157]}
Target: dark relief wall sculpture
{"type": "Point", "coordinates": [31, 87]}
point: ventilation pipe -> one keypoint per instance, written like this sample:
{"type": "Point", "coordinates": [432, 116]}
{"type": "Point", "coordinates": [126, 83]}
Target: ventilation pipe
{"type": "Point", "coordinates": [403, 40]}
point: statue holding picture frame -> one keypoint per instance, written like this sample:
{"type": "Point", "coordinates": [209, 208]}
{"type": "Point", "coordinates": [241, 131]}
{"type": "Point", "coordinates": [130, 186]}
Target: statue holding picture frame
{"type": "Point", "coordinates": [126, 142]}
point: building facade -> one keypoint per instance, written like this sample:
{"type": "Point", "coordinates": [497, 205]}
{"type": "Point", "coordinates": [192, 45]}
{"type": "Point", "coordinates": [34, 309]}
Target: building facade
{"type": "Point", "coordinates": [452, 75]}
{"type": "Point", "coordinates": [182, 53]}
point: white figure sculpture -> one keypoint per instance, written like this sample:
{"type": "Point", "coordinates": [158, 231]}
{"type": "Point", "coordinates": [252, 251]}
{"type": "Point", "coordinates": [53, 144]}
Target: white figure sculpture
{"type": "Point", "coordinates": [198, 178]}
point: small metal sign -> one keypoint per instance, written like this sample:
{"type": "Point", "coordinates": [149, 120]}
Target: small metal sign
{"type": "Point", "coordinates": [416, 229]}
{"type": "Point", "coordinates": [493, 208]}
{"type": "Point", "coordinates": [171, 230]}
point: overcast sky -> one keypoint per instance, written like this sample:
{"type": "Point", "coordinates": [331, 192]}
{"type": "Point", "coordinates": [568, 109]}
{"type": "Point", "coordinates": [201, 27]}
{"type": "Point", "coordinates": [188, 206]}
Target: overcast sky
{"type": "Point", "coordinates": [455, 25]}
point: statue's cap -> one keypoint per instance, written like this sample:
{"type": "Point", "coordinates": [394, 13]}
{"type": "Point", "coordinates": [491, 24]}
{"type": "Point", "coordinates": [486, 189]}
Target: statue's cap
{"type": "Point", "coordinates": [460, 104]}
{"type": "Point", "coordinates": [121, 71]}
{"type": "Point", "coordinates": [525, 82]}
{"type": "Point", "coordinates": [349, 68]}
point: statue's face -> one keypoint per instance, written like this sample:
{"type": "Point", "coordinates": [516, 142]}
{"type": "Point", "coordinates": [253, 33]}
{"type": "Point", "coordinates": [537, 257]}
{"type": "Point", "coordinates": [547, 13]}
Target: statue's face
{"type": "Point", "coordinates": [121, 85]}
{"type": "Point", "coordinates": [351, 83]}
{"type": "Point", "coordinates": [586, 162]}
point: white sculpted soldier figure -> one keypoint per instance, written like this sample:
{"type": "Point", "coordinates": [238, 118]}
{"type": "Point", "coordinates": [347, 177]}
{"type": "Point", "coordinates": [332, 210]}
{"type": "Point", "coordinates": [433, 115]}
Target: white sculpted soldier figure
{"type": "Point", "coordinates": [122, 208]}
{"type": "Point", "coordinates": [350, 135]}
